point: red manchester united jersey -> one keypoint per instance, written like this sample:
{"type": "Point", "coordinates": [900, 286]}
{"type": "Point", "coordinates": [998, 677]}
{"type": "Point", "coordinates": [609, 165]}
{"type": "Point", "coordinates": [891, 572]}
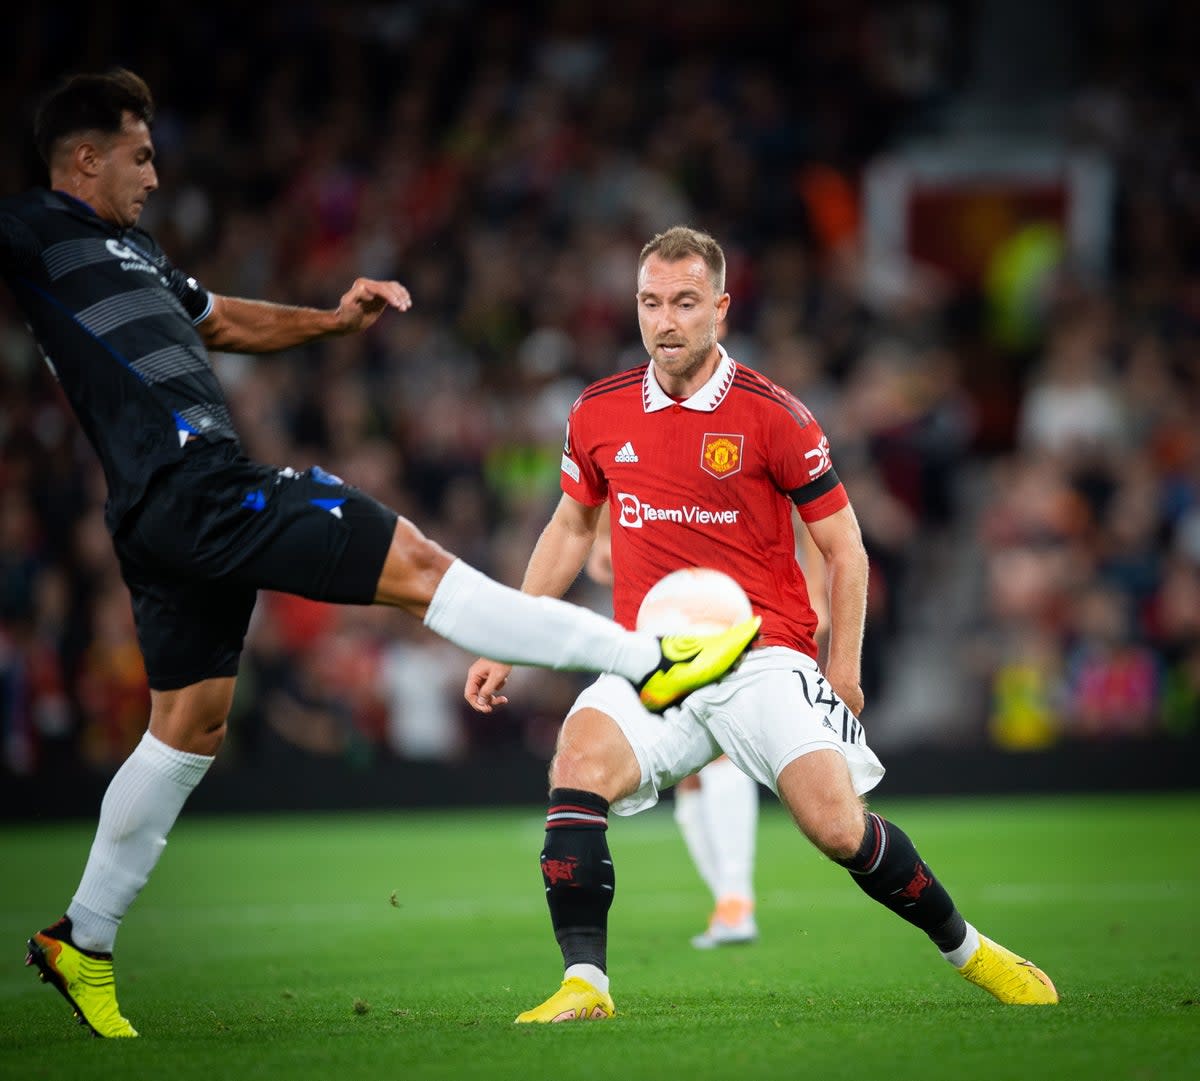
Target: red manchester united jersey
{"type": "Point", "coordinates": [710, 482]}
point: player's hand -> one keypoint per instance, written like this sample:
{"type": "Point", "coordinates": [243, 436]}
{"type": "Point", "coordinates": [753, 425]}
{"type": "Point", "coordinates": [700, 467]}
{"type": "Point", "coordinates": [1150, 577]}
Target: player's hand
{"type": "Point", "coordinates": [484, 682]}
{"type": "Point", "coordinates": [599, 564]}
{"type": "Point", "coordinates": [850, 692]}
{"type": "Point", "coordinates": [366, 300]}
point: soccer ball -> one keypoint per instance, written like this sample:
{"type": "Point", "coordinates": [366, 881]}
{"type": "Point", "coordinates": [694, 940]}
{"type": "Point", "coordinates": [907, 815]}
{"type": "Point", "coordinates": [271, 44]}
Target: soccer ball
{"type": "Point", "coordinates": [694, 600]}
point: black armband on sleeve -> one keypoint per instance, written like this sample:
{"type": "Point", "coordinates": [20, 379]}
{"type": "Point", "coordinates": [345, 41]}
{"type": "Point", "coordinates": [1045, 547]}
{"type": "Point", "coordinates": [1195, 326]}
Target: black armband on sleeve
{"type": "Point", "coordinates": [814, 489]}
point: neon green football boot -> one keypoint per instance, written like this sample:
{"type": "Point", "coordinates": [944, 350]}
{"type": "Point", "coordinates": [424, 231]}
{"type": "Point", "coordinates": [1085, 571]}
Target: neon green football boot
{"type": "Point", "coordinates": [693, 661]}
{"type": "Point", "coordinates": [84, 979]}
{"type": "Point", "coordinates": [575, 1000]}
{"type": "Point", "coordinates": [1012, 979]}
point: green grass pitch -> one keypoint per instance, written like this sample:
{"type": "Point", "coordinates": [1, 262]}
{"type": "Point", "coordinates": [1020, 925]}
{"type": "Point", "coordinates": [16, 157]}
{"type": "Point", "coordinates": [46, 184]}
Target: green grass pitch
{"type": "Point", "coordinates": [402, 945]}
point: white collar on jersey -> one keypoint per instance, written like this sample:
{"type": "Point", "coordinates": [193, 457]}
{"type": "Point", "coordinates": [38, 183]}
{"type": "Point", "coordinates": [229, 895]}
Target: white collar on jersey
{"type": "Point", "coordinates": [705, 400]}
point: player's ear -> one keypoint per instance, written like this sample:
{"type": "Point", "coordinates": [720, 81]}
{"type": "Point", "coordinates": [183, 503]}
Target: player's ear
{"type": "Point", "coordinates": [87, 157]}
{"type": "Point", "coordinates": [722, 307]}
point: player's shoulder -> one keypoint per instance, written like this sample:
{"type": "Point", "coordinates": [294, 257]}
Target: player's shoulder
{"type": "Point", "coordinates": [22, 229]}
{"type": "Point", "coordinates": [628, 381]}
{"type": "Point", "coordinates": [758, 390]}
{"type": "Point", "coordinates": [53, 216]}
{"type": "Point", "coordinates": [25, 204]}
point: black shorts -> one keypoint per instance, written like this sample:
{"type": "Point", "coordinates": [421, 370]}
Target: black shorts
{"type": "Point", "coordinates": [215, 529]}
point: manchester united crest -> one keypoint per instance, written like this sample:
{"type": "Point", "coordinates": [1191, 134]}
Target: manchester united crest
{"type": "Point", "coordinates": [722, 454]}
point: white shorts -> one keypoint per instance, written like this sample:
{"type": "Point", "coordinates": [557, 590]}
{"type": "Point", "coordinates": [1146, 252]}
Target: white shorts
{"type": "Point", "coordinates": [773, 708]}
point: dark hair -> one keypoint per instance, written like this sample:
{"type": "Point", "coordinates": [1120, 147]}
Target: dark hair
{"type": "Point", "coordinates": [90, 102]}
{"type": "Point", "coordinates": [679, 242]}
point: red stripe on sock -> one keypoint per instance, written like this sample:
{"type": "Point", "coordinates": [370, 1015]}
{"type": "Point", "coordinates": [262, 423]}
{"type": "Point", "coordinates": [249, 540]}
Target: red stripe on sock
{"type": "Point", "coordinates": [561, 808]}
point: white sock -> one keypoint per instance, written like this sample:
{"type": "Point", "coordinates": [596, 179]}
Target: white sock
{"type": "Point", "coordinates": [729, 811]}
{"type": "Point", "coordinates": [963, 954]}
{"type": "Point", "coordinates": [139, 808]}
{"type": "Point", "coordinates": [598, 979]}
{"type": "Point", "coordinates": [689, 816]}
{"type": "Point", "coordinates": [503, 624]}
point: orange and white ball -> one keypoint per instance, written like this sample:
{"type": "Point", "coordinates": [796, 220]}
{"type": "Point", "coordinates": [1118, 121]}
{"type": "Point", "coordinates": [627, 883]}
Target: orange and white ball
{"type": "Point", "coordinates": [694, 600]}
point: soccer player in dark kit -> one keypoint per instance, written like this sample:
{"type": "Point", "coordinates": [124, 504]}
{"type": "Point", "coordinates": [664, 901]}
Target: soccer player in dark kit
{"type": "Point", "coordinates": [199, 528]}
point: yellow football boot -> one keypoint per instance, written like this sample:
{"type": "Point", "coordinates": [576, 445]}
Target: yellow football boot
{"type": "Point", "coordinates": [85, 980]}
{"type": "Point", "coordinates": [692, 661]}
{"type": "Point", "coordinates": [1012, 979]}
{"type": "Point", "coordinates": [575, 1000]}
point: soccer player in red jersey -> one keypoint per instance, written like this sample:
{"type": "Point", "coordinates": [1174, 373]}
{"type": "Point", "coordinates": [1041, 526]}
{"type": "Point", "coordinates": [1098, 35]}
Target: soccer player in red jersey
{"type": "Point", "coordinates": [702, 462]}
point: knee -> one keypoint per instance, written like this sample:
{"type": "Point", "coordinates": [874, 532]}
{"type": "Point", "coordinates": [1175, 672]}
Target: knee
{"type": "Point", "coordinates": [817, 790]}
{"type": "Point", "coordinates": [416, 555]}
{"type": "Point", "coordinates": [840, 836]}
{"type": "Point", "coordinates": [195, 732]}
{"type": "Point", "coordinates": [593, 755]}
{"type": "Point", "coordinates": [211, 738]}
{"type": "Point", "coordinates": [413, 568]}
{"type": "Point", "coordinates": [575, 767]}
{"type": "Point", "coordinates": [203, 741]}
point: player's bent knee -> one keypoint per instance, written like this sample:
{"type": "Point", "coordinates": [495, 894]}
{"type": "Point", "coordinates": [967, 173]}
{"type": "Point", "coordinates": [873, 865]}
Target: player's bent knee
{"type": "Point", "coordinates": [193, 735]}
{"type": "Point", "coordinates": [817, 790]}
{"type": "Point", "coordinates": [594, 755]}
{"type": "Point", "coordinates": [193, 718]}
{"type": "Point", "coordinates": [835, 828]}
{"type": "Point", "coordinates": [412, 570]}
{"type": "Point", "coordinates": [572, 768]}
{"type": "Point", "coordinates": [839, 841]}
{"type": "Point", "coordinates": [211, 739]}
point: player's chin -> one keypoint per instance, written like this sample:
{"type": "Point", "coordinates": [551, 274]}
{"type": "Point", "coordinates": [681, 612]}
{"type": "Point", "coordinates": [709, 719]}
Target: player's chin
{"type": "Point", "coordinates": [674, 362]}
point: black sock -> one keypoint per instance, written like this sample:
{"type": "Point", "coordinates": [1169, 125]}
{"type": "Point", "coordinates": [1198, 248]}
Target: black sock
{"type": "Point", "coordinates": [889, 869]}
{"type": "Point", "coordinates": [579, 877]}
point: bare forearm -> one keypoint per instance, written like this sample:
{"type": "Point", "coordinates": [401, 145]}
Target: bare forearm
{"type": "Point", "coordinates": [258, 326]}
{"type": "Point", "coordinates": [556, 561]}
{"type": "Point", "coordinates": [847, 577]}
{"type": "Point", "coordinates": [839, 540]}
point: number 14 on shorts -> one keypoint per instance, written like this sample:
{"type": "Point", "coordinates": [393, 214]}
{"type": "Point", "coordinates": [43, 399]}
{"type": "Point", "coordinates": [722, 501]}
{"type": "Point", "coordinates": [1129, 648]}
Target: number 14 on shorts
{"type": "Point", "coordinates": [837, 717]}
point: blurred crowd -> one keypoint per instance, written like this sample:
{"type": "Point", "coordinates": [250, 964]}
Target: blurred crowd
{"type": "Point", "coordinates": [507, 168]}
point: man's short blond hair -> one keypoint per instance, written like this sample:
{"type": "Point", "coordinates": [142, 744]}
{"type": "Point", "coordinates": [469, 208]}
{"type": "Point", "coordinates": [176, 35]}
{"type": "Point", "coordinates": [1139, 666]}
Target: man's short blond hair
{"type": "Point", "coordinates": [681, 242]}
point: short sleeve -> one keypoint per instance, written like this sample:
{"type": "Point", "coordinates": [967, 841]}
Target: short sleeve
{"type": "Point", "coordinates": [196, 300]}
{"type": "Point", "coordinates": [803, 464]}
{"type": "Point", "coordinates": [578, 475]}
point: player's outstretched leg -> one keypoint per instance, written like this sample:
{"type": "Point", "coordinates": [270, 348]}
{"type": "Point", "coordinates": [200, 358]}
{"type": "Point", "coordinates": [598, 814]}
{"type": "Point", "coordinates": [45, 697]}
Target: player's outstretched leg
{"type": "Point", "coordinates": [83, 978]}
{"type": "Point", "coordinates": [578, 873]}
{"type": "Point", "coordinates": [492, 620]}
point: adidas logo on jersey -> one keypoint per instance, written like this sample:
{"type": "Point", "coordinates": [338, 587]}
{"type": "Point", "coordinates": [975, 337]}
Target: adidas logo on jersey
{"type": "Point", "coordinates": [626, 454]}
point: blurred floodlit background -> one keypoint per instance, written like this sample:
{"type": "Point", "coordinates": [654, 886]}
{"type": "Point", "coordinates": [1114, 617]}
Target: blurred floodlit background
{"type": "Point", "coordinates": [967, 235]}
